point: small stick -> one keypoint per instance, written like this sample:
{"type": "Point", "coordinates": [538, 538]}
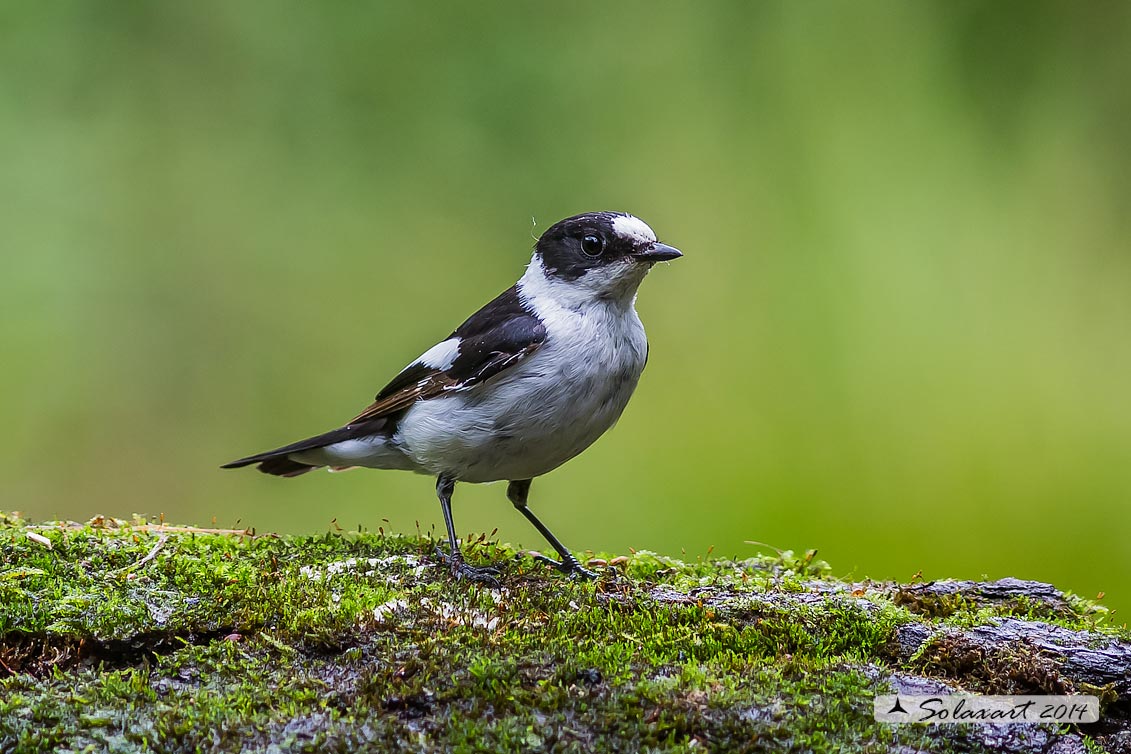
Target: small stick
{"type": "Point", "coordinates": [155, 529]}
{"type": "Point", "coordinates": [152, 554]}
{"type": "Point", "coordinates": [39, 539]}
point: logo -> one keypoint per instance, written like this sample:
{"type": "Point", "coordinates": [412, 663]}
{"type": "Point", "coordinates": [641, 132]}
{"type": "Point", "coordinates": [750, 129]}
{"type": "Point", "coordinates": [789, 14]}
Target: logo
{"type": "Point", "coordinates": [974, 708]}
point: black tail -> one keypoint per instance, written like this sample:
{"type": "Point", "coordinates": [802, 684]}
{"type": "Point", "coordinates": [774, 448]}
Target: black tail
{"type": "Point", "coordinates": [283, 466]}
{"type": "Point", "coordinates": [277, 462]}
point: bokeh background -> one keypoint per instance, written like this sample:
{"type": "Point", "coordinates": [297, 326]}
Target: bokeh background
{"type": "Point", "coordinates": [901, 334]}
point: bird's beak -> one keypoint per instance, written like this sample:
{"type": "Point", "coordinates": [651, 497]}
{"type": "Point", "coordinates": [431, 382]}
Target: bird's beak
{"type": "Point", "coordinates": [658, 252]}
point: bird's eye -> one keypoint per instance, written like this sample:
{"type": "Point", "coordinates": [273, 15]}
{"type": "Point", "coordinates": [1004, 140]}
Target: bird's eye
{"type": "Point", "coordinates": [592, 245]}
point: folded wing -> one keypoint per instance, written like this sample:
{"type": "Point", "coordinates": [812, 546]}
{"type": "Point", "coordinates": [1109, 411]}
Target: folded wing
{"type": "Point", "coordinates": [496, 338]}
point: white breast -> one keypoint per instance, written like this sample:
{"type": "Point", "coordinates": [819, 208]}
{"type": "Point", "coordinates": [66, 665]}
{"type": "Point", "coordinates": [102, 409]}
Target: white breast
{"type": "Point", "coordinates": [544, 411]}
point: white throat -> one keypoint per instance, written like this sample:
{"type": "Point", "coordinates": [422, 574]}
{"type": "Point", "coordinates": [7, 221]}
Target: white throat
{"type": "Point", "coordinates": [612, 285]}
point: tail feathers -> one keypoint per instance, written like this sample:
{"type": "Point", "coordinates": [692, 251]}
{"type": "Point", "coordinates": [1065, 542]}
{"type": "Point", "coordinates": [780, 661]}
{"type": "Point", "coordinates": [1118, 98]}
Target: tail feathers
{"type": "Point", "coordinates": [278, 462]}
{"type": "Point", "coordinates": [274, 463]}
{"type": "Point", "coordinates": [284, 466]}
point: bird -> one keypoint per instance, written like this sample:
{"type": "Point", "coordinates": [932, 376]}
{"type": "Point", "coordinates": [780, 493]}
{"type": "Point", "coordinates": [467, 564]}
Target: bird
{"type": "Point", "coordinates": [527, 383]}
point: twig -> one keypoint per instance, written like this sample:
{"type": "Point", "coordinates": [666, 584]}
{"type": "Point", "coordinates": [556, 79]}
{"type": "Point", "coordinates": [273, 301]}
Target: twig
{"type": "Point", "coordinates": [157, 528]}
{"type": "Point", "coordinates": [152, 554]}
{"type": "Point", "coordinates": [154, 529]}
{"type": "Point", "coordinates": [39, 539]}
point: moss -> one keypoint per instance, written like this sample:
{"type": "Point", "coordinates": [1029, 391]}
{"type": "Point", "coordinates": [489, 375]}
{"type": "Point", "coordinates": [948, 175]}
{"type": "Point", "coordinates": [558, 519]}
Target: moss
{"type": "Point", "coordinates": [967, 609]}
{"type": "Point", "coordinates": [933, 605]}
{"type": "Point", "coordinates": [1019, 670]}
{"type": "Point", "coordinates": [140, 638]}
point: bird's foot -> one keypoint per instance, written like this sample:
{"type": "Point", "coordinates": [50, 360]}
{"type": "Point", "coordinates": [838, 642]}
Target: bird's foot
{"type": "Point", "coordinates": [461, 570]}
{"type": "Point", "coordinates": [568, 565]}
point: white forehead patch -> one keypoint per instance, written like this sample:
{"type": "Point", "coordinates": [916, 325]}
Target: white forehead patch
{"type": "Point", "coordinates": [633, 229]}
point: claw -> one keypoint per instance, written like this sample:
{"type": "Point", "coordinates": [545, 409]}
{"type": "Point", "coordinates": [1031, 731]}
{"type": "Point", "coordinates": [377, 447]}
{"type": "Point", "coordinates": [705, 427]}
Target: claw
{"type": "Point", "coordinates": [461, 570]}
{"type": "Point", "coordinates": [569, 566]}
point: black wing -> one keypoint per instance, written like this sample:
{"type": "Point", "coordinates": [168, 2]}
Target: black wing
{"type": "Point", "coordinates": [492, 340]}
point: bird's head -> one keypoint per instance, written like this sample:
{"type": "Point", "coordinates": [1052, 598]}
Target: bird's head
{"type": "Point", "coordinates": [599, 256]}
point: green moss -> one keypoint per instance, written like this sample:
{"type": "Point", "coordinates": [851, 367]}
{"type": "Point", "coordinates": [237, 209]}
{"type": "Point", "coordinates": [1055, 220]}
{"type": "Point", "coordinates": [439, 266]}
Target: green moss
{"type": "Point", "coordinates": [962, 610]}
{"type": "Point", "coordinates": [136, 638]}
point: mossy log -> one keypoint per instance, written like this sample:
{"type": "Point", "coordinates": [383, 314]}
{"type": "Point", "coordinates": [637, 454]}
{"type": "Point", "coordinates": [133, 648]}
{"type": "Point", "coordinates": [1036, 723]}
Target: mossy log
{"type": "Point", "coordinates": [127, 637]}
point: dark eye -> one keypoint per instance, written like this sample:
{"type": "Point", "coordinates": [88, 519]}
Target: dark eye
{"type": "Point", "coordinates": [592, 245]}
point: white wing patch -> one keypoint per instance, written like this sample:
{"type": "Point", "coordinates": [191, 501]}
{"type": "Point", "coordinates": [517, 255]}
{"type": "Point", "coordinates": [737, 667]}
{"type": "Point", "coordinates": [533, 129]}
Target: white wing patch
{"type": "Point", "coordinates": [634, 229]}
{"type": "Point", "coordinates": [441, 356]}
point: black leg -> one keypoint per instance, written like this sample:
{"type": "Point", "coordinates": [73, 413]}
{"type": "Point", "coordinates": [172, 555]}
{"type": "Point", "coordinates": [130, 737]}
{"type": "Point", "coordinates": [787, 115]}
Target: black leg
{"type": "Point", "coordinates": [445, 486]}
{"type": "Point", "coordinates": [518, 492]}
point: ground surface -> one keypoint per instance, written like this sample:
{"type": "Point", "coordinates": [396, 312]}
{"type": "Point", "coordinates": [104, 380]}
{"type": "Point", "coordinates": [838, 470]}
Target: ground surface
{"type": "Point", "coordinates": [148, 638]}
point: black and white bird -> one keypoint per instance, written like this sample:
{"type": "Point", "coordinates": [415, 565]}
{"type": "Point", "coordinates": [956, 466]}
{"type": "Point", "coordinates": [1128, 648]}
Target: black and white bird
{"type": "Point", "coordinates": [524, 385]}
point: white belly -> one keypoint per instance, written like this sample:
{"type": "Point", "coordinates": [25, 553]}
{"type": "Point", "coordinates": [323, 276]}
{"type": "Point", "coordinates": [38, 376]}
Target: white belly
{"type": "Point", "coordinates": [533, 419]}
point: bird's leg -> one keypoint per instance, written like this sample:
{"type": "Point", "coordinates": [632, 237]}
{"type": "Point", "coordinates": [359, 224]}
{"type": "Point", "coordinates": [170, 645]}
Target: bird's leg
{"type": "Point", "coordinates": [569, 565]}
{"type": "Point", "coordinates": [445, 486]}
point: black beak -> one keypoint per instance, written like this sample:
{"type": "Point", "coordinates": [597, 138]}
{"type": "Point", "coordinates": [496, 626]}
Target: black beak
{"type": "Point", "coordinates": [658, 252]}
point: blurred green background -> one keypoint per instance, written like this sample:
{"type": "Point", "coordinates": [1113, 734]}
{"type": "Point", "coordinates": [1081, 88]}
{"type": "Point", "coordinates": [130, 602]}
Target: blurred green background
{"type": "Point", "coordinates": [901, 333]}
